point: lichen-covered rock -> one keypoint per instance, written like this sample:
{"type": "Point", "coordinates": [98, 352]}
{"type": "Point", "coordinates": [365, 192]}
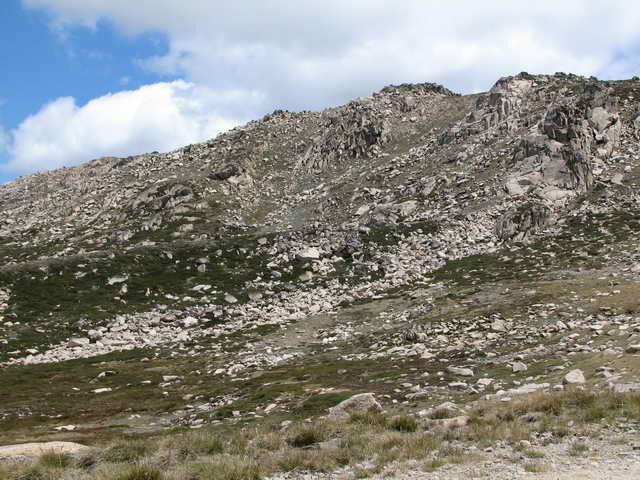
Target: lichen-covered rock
{"type": "Point", "coordinates": [357, 405]}
{"type": "Point", "coordinates": [355, 131]}
{"type": "Point", "coordinates": [574, 377]}
{"type": "Point", "coordinates": [392, 212]}
{"type": "Point", "coordinates": [497, 110]}
{"type": "Point", "coordinates": [227, 170]}
{"type": "Point", "coordinates": [519, 223]}
{"type": "Point", "coordinates": [4, 299]}
{"type": "Point", "coordinates": [163, 197]}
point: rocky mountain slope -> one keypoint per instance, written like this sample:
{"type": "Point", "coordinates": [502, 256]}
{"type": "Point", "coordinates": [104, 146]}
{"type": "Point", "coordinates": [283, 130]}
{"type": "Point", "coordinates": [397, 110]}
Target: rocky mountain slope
{"type": "Point", "coordinates": [425, 246]}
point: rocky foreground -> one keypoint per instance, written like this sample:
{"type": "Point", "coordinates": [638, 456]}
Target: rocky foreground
{"type": "Point", "coordinates": [426, 247]}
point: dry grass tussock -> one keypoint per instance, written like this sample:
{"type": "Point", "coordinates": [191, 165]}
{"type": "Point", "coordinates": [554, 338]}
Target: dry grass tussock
{"type": "Point", "coordinates": [368, 443]}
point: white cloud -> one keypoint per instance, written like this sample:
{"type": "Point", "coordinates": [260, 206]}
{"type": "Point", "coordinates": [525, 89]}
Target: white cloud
{"type": "Point", "coordinates": [311, 54]}
{"type": "Point", "coordinates": [161, 116]}
{"type": "Point", "coordinates": [4, 140]}
{"type": "Point", "coordinates": [317, 52]}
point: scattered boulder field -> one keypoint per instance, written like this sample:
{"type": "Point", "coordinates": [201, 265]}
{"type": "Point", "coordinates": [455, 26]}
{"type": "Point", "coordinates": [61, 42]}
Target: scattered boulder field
{"type": "Point", "coordinates": [413, 261]}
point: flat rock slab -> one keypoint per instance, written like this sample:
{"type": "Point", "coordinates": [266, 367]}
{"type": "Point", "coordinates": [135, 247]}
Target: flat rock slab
{"type": "Point", "coordinates": [32, 450]}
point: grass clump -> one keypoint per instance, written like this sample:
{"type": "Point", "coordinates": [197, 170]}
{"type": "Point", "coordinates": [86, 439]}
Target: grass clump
{"type": "Point", "coordinates": [54, 460]}
{"type": "Point", "coordinates": [200, 443]}
{"type": "Point", "coordinates": [369, 419]}
{"type": "Point", "coordinates": [578, 449]}
{"type": "Point", "coordinates": [442, 413]}
{"type": "Point", "coordinates": [453, 454]}
{"type": "Point", "coordinates": [404, 423]}
{"type": "Point", "coordinates": [139, 472]}
{"type": "Point", "coordinates": [531, 453]}
{"type": "Point", "coordinates": [125, 452]}
{"type": "Point", "coordinates": [535, 467]}
{"type": "Point", "coordinates": [433, 464]}
{"type": "Point", "coordinates": [307, 436]}
{"type": "Point", "coordinates": [308, 460]}
{"type": "Point", "coordinates": [227, 467]}
{"type": "Point", "coordinates": [369, 443]}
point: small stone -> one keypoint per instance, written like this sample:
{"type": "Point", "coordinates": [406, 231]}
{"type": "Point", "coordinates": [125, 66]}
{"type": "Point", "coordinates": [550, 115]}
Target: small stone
{"type": "Point", "coordinates": [255, 296]}
{"type": "Point", "coordinates": [498, 326]}
{"type": "Point", "coordinates": [310, 253]}
{"type": "Point", "coordinates": [518, 367]}
{"type": "Point", "coordinates": [306, 276]}
{"type": "Point", "coordinates": [633, 349]}
{"type": "Point", "coordinates": [574, 377]}
{"type": "Point", "coordinates": [79, 342]}
{"type": "Point", "coordinates": [65, 428]}
{"type": "Point", "coordinates": [457, 385]}
{"type": "Point", "coordinates": [524, 444]}
{"type": "Point", "coordinates": [117, 279]}
{"type": "Point", "coordinates": [189, 322]}
{"type": "Point", "coordinates": [94, 334]}
{"type": "Point", "coordinates": [463, 372]}
{"type": "Point", "coordinates": [102, 390]}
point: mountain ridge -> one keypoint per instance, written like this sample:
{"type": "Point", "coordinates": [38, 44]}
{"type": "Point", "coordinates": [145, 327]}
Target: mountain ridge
{"type": "Point", "coordinates": [416, 244]}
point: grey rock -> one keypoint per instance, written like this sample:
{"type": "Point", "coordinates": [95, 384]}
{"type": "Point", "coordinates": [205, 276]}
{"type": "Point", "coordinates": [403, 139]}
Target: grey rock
{"type": "Point", "coordinates": [574, 377]}
{"type": "Point", "coordinates": [230, 298]}
{"type": "Point", "coordinates": [633, 349]}
{"type": "Point", "coordinates": [36, 449]}
{"type": "Point", "coordinates": [518, 224]}
{"type": "Point", "coordinates": [517, 367]}
{"type": "Point", "coordinates": [79, 342]}
{"type": "Point", "coordinates": [625, 387]}
{"type": "Point", "coordinates": [463, 372]}
{"type": "Point", "coordinates": [358, 404]}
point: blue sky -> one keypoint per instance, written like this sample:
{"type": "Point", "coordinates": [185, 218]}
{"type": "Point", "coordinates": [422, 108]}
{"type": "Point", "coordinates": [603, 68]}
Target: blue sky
{"type": "Point", "coordinates": [80, 62]}
{"type": "Point", "coordinates": [42, 64]}
{"type": "Point", "coordinates": [88, 78]}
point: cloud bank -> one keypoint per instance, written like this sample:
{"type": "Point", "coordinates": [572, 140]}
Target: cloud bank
{"type": "Point", "coordinates": [162, 116]}
{"type": "Point", "coordinates": [313, 54]}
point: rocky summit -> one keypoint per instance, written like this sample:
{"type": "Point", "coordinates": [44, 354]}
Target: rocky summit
{"type": "Point", "coordinates": [414, 281]}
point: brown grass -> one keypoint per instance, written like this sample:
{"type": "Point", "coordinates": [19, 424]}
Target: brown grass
{"type": "Point", "coordinates": [324, 446]}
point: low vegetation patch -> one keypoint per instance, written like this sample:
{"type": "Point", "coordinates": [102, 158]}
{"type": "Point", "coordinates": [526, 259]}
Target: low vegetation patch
{"type": "Point", "coordinates": [535, 467]}
{"type": "Point", "coordinates": [404, 424]}
{"type": "Point", "coordinates": [324, 446]}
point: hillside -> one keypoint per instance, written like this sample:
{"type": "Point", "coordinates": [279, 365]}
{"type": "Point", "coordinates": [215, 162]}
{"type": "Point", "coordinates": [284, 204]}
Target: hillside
{"type": "Point", "coordinates": [420, 245]}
